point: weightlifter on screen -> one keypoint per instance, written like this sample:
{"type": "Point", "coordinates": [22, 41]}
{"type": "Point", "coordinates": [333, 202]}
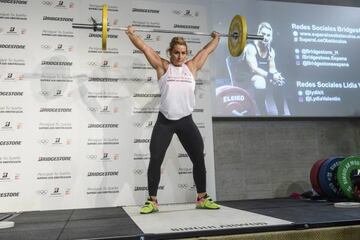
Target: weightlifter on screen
{"type": "Point", "coordinates": [176, 78]}
{"type": "Point", "coordinates": [260, 57]}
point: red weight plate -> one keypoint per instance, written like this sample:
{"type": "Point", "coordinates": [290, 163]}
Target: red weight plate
{"type": "Point", "coordinates": [314, 176]}
{"type": "Point", "coordinates": [234, 101]}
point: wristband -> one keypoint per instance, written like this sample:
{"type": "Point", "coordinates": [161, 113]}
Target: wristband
{"type": "Point", "coordinates": [270, 76]}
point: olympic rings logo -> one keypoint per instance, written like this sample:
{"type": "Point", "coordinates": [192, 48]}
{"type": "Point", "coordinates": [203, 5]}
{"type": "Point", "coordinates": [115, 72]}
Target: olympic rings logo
{"type": "Point", "coordinates": [44, 93]}
{"type": "Point", "coordinates": [138, 171]}
{"type": "Point", "coordinates": [44, 141]}
{"type": "Point", "coordinates": [137, 124]}
{"type": "Point", "coordinates": [47, 3]}
{"type": "Point", "coordinates": [42, 192]}
{"type": "Point", "coordinates": [182, 186]}
{"type": "Point", "coordinates": [92, 156]}
{"type": "Point", "coordinates": [45, 46]}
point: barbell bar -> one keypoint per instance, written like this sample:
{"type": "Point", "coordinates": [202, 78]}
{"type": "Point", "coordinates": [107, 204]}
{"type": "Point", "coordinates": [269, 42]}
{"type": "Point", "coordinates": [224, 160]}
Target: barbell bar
{"type": "Point", "coordinates": [237, 35]}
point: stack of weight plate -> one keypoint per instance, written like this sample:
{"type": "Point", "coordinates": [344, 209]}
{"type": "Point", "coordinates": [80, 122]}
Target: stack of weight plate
{"type": "Point", "coordinates": [333, 179]}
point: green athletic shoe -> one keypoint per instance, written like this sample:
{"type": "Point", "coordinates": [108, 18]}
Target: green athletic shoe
{"type": "Point", "coordinates": [206, 203]}
{"type": "Point", "coordinates": [149, 207]}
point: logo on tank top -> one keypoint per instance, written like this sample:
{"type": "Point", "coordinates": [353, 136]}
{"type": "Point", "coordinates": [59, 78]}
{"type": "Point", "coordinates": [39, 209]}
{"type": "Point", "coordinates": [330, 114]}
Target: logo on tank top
{"type": "Point", "coordinates": [180, 75]}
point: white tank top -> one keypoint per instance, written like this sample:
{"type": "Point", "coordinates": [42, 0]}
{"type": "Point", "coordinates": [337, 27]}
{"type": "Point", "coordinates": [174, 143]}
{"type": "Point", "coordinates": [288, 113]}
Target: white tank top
{"type": "Point", "coordinates": [177, 89]}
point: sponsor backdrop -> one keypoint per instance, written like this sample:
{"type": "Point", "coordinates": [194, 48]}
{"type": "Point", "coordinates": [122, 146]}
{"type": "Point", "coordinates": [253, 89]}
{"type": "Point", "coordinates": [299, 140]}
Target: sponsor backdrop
{"type": "Point", "coordinates": [76, 121]}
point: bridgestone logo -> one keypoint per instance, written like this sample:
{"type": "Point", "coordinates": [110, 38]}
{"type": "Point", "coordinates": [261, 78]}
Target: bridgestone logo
{"type": "Point", "coordinates": [103, 79]}
{"type": "Point", "coordinates": [13, 1]}
{"type": "Point", "coordinates": [11, 94]}
{"type": "Point", "coordinates": [103, 125]}
{"type": "Point", "coordinates": [137, 51]}
{"type": "Point", "coordinates": [141, 156]}
{"type": "Point", "coordinates": [146, 95]}
{"type": "Point", "coordinates": [53, 159]}
{"type": "Point", "coordinates": [140, 52]}
{"type": "Point", "coordinates": [55, 109]}
{"type": "Point", "coordinates": [141, 140]}
{"type": "Point", "coordinates": [62, 19]}
{"type": "Point", "coordinates": [182, 155]}
{"type": "Point", "coordinates": [183, 171]}
{"type": "Point", "coordinates": [56, 63]}
{"type": "Point", "coordinates": [102, 174]}
{"type": "Point", "coordinates": [12, 46]}
{"type": "Point", "coordinates": [145, 10]}
{"type": "Point", "coordinates": [6, 143]}
{"type": "Point", "coordinates": [186, 26]}
{"type": "Point", "coordinates": [146, 188]}
{"type": "Point", "coordinates": [99, 35]}
{"type": "Point", "coordinates": [9, 194]}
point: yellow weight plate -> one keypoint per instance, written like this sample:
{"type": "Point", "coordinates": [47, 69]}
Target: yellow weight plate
{"type": "Point", "coordinates": [104, 34]}
{"type": "Point", "coordinates": [237, 35]}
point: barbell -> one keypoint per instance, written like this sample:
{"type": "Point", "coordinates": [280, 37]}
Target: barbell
{"type": "Point", "coordinates": [237, 35]}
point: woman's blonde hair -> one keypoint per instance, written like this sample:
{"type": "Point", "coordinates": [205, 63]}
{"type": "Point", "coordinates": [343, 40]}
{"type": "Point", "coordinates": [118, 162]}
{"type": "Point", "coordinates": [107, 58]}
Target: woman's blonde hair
{"type": "Point", "coordinates": [177, 41]}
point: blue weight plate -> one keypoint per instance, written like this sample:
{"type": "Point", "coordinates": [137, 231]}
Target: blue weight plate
{"type": "Point", "coordinates": [327, 177]}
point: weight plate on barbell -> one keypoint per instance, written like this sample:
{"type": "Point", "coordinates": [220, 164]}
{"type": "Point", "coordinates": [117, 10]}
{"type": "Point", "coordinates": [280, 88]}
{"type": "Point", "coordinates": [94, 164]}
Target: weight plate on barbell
{"type": "Point", "coordinates": [314, 177]}
{"type": "Point", "coordinates": [328, 177]}
{"type": "Point", "coordinates": [234, 101]}
{"type": "Point", "coordinates": [345, 171]}
{"type": "Point", "coordinates": [237, 35]}
{"type": "Point", "coordinates": [104, 26]}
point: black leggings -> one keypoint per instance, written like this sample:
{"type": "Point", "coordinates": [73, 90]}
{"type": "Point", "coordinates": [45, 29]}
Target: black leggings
{"type": "Point", "coordinates": [279, 98]}
{"type": "Point", "coordinates": [260, 99]}
{"type": "Point", "coordinates": [190, 138]}
{"type": "Point", "coordinates": [278, 95]}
